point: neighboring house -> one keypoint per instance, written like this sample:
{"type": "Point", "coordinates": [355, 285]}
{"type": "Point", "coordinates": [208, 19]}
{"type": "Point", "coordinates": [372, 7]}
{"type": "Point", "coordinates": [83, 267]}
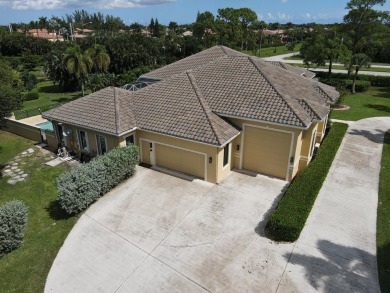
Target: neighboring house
{"type": "Point", "coordinates": [44, 34]}
{"type": "Point", "coordinates": [205, 115]}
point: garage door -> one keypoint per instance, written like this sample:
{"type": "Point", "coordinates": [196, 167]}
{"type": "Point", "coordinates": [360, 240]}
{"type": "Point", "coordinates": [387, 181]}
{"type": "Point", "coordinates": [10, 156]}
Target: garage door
{"type": "Point", "coordinates": [180, 160]}
{"type": "Point", "coordinates": [266, 151]}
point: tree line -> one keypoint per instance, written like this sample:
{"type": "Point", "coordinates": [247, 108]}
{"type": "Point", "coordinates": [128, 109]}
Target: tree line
{"type": "Point", "coordinates": [364, 36]}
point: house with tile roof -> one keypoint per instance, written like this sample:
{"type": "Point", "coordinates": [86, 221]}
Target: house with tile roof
{"type": "Point", "coordinates": [205, 115]}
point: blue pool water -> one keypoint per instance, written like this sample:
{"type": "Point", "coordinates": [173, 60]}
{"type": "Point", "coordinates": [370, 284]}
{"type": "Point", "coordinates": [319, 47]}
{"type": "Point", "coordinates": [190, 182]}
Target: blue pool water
{"type": "Point", "coordinates": [46, 126]}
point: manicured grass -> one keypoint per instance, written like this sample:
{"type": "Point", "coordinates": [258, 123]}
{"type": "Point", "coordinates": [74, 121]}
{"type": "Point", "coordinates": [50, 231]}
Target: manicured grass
{"type": "Point", "coordinates": [289, 218]}
{"type": "Point", "coordinates": [26, 268]}
{"type": "Point", "coordinates": [10, 146]}
{"type": "Point", "coordinates": [383, 220]}
{"type": "Point", "coordinates": [373, 103]}
{"type": "Point", "coordinates": [268, 52]}
{"type": "Point", "coordinates": [50, 93]}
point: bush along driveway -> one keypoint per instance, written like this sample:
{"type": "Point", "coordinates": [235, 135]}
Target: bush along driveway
{"type": "Point", "coordinates": [336, 251]}
{"type": "Point", "coordinates": [159, 233]}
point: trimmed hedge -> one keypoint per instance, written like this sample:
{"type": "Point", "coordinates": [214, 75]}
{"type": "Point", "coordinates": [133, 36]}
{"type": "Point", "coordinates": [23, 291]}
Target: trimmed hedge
{"type": "Point", "coordinates": [289, 218]}
{"type": "Point", "coordinates": [373, 79]}
{"type": "Point", "coordinates": [13, 222]}
{"type": "Point", "coordinates": [83, 185]}
{"type": "Point", "coordinates": [33, 95]}
{"type": "Point", "coordinates": [343, 84]}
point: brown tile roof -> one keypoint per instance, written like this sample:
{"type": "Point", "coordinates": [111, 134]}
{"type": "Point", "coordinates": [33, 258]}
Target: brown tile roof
{"type": "Point", "coordinates": [108, 110]}
{"type": "Point", "coordinates": [293, 69]}
{"type": "Point", "coordinates": [193, 61]}
{"type": "Point", "coordinates": [195, 94]}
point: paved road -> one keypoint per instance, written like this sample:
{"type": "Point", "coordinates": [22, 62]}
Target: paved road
{"type": "Point", "coordinates": [281, 58]}
{"type": "Point", "coordinates": [158, 233]}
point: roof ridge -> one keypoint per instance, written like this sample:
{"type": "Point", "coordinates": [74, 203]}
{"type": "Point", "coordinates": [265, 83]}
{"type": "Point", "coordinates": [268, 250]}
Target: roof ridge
{"type": "Point", "coordinates": [223, 49]}
{"type": "Point", "coordinates": [281, 96]}
{"type": "Point", "coordinates": [203, 103]}
{"type": "Point", "coordinates": [116, 105]}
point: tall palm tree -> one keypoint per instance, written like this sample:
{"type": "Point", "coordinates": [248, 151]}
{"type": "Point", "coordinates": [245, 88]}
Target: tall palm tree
{"type": "Point", "coordinates": [100, 58]}
{"type": "Point", "coordinates": [78, 63]}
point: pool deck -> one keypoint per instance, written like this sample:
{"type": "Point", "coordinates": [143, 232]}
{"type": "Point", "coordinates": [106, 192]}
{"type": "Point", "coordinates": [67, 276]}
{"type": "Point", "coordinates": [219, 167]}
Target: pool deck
{"type": "Point", "coordinates": [34, 120]}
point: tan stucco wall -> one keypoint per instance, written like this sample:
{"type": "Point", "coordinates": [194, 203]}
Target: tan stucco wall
{"type": "Point", "coordinates": [223, 171]}
{"type": "Point", "coordinates": [321, 130]}
{"type": "Point", "coordinates": [51, 140]}
{"type": "Point", "coordinates": [297, 134]}
{"type": "Point", "coordinates": [307, 141]}
{"type": "Point", "coordinates": [23, 129]}
{"type": "Point", "coordinates": [209, 151]}
{"type": "Point", "coordinates": [73, 143]}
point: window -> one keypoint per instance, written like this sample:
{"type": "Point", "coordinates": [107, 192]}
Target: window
{"type": "Point", "coordinates": [101, 144]}
{"type": "Point", "coordinates": [129, 140]}
{"type": "Point", "coordinates": [226, 155]}
{"type": "Point", "coordinates": [83, 140]}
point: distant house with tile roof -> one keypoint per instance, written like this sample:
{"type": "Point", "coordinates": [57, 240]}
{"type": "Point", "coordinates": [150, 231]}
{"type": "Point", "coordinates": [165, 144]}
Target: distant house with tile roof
{"type": "Point", "coordinates": [44, 34]}
{"type": "Point", "coordinates": [205, 115]}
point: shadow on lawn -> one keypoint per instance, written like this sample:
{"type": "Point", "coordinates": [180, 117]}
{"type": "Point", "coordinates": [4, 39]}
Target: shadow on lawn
{"type": "Point", "coordinates": [50, 89]}
{"type": "Point", "coordinates": [56, 212]}
{"type": "Point", "coordinates": [383, 92]}
{"type": "Point", "coordinates": [339, 268]}
{"type": "Point", "coordinates": [381, 108]}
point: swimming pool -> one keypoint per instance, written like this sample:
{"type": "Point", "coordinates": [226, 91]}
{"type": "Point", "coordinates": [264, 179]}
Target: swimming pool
{"type": "Point", "coordinates": [47, 125]}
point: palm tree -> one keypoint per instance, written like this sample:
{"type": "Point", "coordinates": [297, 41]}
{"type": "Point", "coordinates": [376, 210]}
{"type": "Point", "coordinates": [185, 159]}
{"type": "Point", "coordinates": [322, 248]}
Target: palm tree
{"type": "Point", "coordinates": [100, 58]}
{"type": "Point", "coordinates": [78, 63]}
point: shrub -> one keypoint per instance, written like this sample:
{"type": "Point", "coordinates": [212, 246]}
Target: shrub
{"type": "Point", "coordinates": [33, 95]}
{"type": "Point", "coordinates": [360, 86]}
{"type": "Point", "coordinates": [375, 80]}
{"type": "Point", "coordinates": [13, 221]}
{"type": "Point", "coordinates": [345, 84]}
{"type": "Point", "coordinates": [289, 218]}
{"type": "Point", "coordinates": [83, 185]}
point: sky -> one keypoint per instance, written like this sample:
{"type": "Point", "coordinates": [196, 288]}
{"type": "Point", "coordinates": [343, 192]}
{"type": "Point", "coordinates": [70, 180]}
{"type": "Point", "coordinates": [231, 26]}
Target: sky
{"type": "Point", "coordinates": [180, 11]}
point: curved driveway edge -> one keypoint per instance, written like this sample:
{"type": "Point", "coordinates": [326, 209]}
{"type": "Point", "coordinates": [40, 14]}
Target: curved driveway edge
{"type": "Point", "coordinates": [336, 251]}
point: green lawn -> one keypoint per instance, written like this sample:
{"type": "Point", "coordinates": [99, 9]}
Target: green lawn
{"type": "Point", "coordinates": [373, 103]}
{"type": "Point", "coordinates": [383, 220]}
{"type": "Point", "coordinates": [50, 93]}
{"type": "Point", "coordinates": [26, 268]}
{"type": "Point", "coordinates": [268, 52]}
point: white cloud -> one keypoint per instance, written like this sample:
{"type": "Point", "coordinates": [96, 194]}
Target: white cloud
{"type": "Point", "coordinates": [270, 16]}
{"type": "Point", "coordinates": [98, 4]}
{"type": "Point", "coordinates": [284, 1]}
{"type": "Point", "coordinates": [260, 16]}
{"type": "Point", "coordinates": [284, 16]}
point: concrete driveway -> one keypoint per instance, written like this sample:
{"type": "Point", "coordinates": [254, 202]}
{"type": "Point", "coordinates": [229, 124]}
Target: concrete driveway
{"type": "Point", "coordinates": [159, 233]}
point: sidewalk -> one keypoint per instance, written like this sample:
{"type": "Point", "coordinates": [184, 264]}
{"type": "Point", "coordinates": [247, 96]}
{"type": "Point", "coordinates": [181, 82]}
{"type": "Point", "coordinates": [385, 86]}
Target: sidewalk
{"type": "Point", "coordinates": [336, 251]}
